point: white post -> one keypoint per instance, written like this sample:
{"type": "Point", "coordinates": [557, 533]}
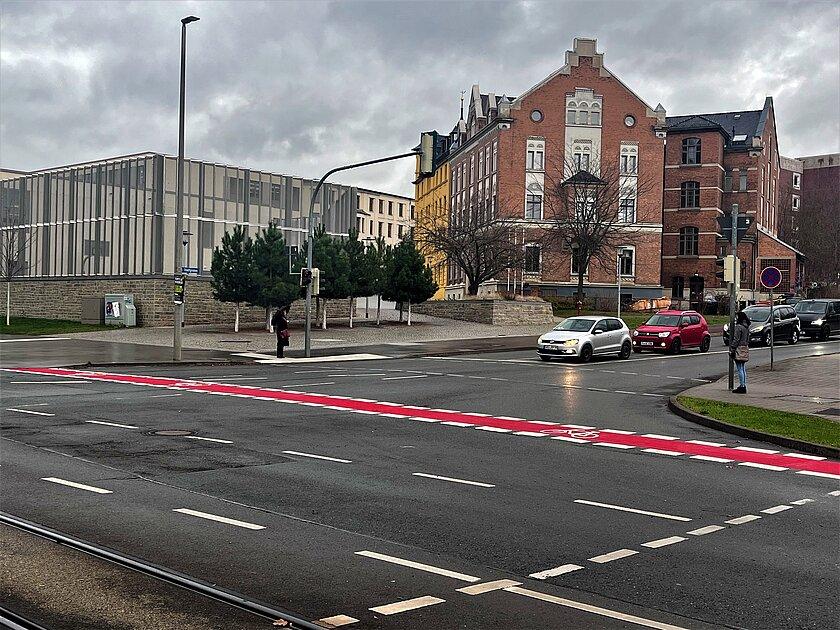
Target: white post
{"type": "Point", "coordinates": [324, 325]}
{"type": "Point", "coordinates": [618, 280]}
{"type": "Point", "coordinates": [8, 300]}
{"type": "Point", "coordinates": [351, 311]}
{"type": "Point", "coordinates": [409, 312]}
{"type": "Point", "coordinates": [236, 321]}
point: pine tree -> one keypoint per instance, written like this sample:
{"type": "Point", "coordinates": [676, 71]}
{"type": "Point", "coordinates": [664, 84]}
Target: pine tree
{"type": "Point", "coordinates": [378, 258]}
{"type": "Point", "coordinates": [232, 270]}
{"type": "Point", "coordinates": [330, 257]}
{"type": "Point", "coordinates": [273, 285]}
{"type": "Point", "coordinates": [409, 277]}
{"type": "Point", "coordinates": [360, 270]}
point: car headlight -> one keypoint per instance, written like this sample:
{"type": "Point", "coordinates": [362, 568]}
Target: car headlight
{"type": "Point", "coordinates": [817, 322]}
{"type": "Point", "coordinates": [569, 342]}
{"type": "Point", "coordinates": [635, 333]}
{"type": "Point", "coordinates": [664, 334]}
{"type": "Point", "coordinates": [540, 341]}
{"type": "Point", "coordinates": [757, 328]}
{"type": "Point", "coordinates": [725, 327]}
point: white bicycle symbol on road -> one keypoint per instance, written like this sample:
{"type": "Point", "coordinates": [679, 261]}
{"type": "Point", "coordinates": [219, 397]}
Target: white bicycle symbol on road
{"type": "Point", "coordinates": [575, 433]}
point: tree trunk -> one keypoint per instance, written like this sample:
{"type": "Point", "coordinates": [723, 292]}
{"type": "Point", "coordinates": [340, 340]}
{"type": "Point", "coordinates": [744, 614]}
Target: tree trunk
{"type": "Point", "coordinates": [324, 324]}
{"type": "Point", "coordinates": [378, 307]}
{"type": "Point", "coordinates": [8, 300]}
{"type": "Point", "coordinates": [236, 321]}
{"type": "Point", "coordinates": [409, 312]}
{"type": "Point", "coordinates": [580, 286]}
{"type": "Point", "coordinates": [472, 287]}
{"type": "Point", "coordinates": [351, 312]}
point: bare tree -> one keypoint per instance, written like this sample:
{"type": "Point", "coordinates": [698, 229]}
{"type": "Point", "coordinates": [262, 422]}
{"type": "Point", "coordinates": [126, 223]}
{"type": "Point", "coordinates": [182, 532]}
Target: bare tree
{"type": "Point", "coordinates": [587, 212]}
{"type": "Point", "coordinates": [475, 239]}
{"type": "Point", "coordinates": [14, 242]}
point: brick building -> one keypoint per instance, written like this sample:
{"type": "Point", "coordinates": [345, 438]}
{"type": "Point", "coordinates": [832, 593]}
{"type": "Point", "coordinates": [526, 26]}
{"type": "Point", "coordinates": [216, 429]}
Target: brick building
{"type": "Point", "coordinates": [713, 161]}
{"type": "Point", "coordinates": [819, 217]}
{"type": "Point", "coordinates": [790, 200]}
{"type": "Point", "coordinates": [508, 150]}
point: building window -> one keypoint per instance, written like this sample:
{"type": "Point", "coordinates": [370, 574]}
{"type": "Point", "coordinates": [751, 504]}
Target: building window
{"type": "Point", "coordinates": [627, 210]}
{"type": "Point", "coordinates": [254, 192]}
{"type": "Point", "coordinates": [390, 232]}
{"type": "Point", "coordinates": [576, 263]}
{"type": "Point", "coordinates": [391, 208]}
{"type": "Point", "coordinates": [533, 206]}
{"type": "Point", "coordinates": [400, 208]}
{"type": "Point", "coordinates": [689, 241]}
{"type": "Point", "coordinates": [359, 224]}
{"type": "Point", "coordinates": [534, 161]}
{"type": "Point", "coordinates": [742, 183]}
{"type": "Point", "coordinates": [691, 151]}
{"type": "Point", "coordinates": [690, 195]}
{"type": "Point", "coordinates": [583, 114]}
{"type": "Point", "coordinates": [795, 202]}
{"type": "Point", "coordinates": [797, 180]}
{"type": "Point", "coordinates": [276, 195]}
{"type": "Point", "coordinates": [370, 205]}
{"type": "Point", "coordinates": [381, 206]}
{"type": "Point", "coordinates": [727, 181]}
{"type": "Point", "coordinates": [571, 113]}
{"type": "Point", "coordinates": [581, 161]}
{"type": "Point", "coordinates": [411, 213]}
{"type": "Point", "coordinates": [628, 165]}
{"type": "Point", "coordinates": [627, 261]}
{"type": "Point", "coordinates": [400, 231]}
{"type": "Point", "coordinates": [532, 259]}
{"type": "Point", "coordinates": [595, 115]}
{"type": "Point", "coordinates": [380, 229]}
{"type": "Point", "coordinates": [677, 286]}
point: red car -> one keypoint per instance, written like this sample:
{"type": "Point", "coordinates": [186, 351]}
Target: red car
{"type": "Point", "coordinates": [672, 331]}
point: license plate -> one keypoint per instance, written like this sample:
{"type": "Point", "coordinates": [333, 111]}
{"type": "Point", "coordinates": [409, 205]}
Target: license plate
{"type": "Point", "coordinates": [647, 343]}
{"type": "Point", "coordinates": [552, 347]}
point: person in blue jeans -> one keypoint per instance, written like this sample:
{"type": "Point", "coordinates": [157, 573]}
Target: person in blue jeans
{"type": "Point", "coordinates": [739, 350]}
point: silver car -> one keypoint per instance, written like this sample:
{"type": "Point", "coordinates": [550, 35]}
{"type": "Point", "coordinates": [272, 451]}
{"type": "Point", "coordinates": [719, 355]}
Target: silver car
{"type": "Point", "coordinates": [585, 336]}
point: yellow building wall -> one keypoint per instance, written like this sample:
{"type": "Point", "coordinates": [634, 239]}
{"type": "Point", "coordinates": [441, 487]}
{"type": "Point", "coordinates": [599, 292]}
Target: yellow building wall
{"type": "Point", "coordinates": [431, 204]}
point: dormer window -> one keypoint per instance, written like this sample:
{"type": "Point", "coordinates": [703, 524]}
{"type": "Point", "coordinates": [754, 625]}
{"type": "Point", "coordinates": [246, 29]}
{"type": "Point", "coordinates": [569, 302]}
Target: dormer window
{"type": "Point", "coordinates": [583, 108]}
{"type": "Point", "coordinates": [691, 151]}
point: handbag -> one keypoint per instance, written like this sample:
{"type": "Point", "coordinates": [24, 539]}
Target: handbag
{"type": "Point", "coordinates": [284, 334]}
{"type": "Point", "coordinates": [742, 354]}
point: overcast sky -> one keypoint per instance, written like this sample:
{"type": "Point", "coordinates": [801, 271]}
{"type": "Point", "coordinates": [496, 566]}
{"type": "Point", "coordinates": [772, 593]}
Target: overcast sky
{"type": "Point", "coordinates": [300, 87]}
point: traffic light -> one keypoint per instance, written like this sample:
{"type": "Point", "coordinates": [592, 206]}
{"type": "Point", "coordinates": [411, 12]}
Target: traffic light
{"type": "Point", "coordinates": [728, 265]}
{"type": "Point", "coordinates": [315, 276]}
{"type": "Point", "coordinates": [720, 274]}
{"type": "Point", "coordinates": [305, 277]}
{"type": "Point", "coordinates": [427, 152]}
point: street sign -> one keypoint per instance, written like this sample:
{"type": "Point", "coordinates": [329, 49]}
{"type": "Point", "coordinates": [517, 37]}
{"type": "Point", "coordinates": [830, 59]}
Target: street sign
{"type": "Point", "coordinates": [725, 224]}
{"type": "Point", "coordinates": [178, 292]}
{"type": "Point", "coordinates": [190, 271]}
{"type": "Point", "coordinates": [771, 277]}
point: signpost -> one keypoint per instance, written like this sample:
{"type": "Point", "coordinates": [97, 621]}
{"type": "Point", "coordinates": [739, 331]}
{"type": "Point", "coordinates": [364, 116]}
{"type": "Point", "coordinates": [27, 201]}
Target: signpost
{"type": "Point", "coordinates": [190, 271]}
{"type": "Point", "coordinates": [733, 289]}
{"type": "Point", "coordinates": [771, 277]}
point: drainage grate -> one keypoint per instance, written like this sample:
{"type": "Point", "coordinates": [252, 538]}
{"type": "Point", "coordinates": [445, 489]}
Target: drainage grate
{"type": "Point", "coordinates": [171, 432]}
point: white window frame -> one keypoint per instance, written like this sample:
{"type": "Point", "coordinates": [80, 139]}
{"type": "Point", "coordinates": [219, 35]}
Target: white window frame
{"type": "Point", "coordinates": [797, 181]}
{"type": "Point", "coordinates": [795, 202]}
{"type": "Point", "coordinates": [622, 215]}
{"type": "Point", "coordinates": [571, 113]}
{"type": "Point", "coordinates": [539, 258]}
{"type": "Point", "coordinates": [632, 249]}
{"type": "Point", "coordinates": [539, 195]}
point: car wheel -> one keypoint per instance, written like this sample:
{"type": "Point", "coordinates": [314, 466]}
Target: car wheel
{"type": "Point", "coordinates": [704, 345]}
{"type": "Point", "coordinates": [676, 346]}
{"type": "Point", "coordinates": [626, 348]}
{"type": "Point", "coordinates": [794, 337]}
{"type": "Point", "coordinates": [825, 333]}
{"type": "Point", "coordinates": [767, 338]}
{"type": "Point", "coordinates": [585, 354]}
{"type": "Point", "coordinates": [545, 358]}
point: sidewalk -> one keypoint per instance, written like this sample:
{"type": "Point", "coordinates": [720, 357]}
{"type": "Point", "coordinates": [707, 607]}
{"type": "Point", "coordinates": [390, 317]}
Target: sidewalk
{"type": "Point", "coordinates": [807, 385]}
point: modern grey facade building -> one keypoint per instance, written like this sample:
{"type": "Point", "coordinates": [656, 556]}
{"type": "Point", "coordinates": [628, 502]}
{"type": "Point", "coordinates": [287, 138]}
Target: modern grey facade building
{"type": "Point", "coordinates": [113, 220]}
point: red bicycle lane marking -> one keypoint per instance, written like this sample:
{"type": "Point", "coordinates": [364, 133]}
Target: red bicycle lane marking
{"type": "Point", "coordinates": [831, 467]}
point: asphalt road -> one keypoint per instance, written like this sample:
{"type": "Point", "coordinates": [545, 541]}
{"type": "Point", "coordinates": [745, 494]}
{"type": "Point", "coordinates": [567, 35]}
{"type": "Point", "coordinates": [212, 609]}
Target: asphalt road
{"type": "Point", "coordinates": [334, 505]}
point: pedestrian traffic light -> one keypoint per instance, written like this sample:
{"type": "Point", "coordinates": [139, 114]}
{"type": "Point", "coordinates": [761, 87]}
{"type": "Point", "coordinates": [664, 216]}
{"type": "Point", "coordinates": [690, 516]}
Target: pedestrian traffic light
{"type": "Point", "coordinates": [427, 152]}
{"type": "Point", "coordinates": [305, 277]}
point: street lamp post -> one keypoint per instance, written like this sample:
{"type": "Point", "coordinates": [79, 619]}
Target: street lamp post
{"type": "Point", "coordinates": [179, 194]}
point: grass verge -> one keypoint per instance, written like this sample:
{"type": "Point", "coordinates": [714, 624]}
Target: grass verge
{"type": "Point", "coordinates": [35, 326]}
{"type": "Point", "coordinates": [793, 425]}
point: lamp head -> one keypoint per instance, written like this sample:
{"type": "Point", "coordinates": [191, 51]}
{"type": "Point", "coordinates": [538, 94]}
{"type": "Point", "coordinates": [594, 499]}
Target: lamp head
{"type": "Point", "coordinates": [188, 19]}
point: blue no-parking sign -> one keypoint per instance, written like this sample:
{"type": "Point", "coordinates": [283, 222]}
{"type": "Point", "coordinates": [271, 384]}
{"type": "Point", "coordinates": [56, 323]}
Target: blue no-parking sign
{"type": "Point", "coordinates": [771, 277]}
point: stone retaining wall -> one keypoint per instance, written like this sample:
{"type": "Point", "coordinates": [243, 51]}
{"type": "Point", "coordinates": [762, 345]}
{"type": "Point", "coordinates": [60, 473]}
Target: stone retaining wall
{"type": "Point", "coordinates": [61, 298]}
{"type": "Point", "coordinates": [501, 312]}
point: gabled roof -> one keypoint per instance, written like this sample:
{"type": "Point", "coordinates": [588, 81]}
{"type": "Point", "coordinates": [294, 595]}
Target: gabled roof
{"type": "Point", "coordinates": [584, 178]}
{"type": "Point", "coordinates": [739, 128]}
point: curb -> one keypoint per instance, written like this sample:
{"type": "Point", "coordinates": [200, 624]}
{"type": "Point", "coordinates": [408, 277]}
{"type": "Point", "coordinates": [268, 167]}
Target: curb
{"type": "Point", "coordinates": [792, 443]}
{"type": "Point", "coordinates": [84, 366]}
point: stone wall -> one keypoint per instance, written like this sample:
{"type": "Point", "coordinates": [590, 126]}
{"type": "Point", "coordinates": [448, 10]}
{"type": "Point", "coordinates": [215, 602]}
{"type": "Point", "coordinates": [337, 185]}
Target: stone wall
{"type": "Point", "coordinates": [61, 298]}
{"type": "Point", "coordinates": [500, 312]}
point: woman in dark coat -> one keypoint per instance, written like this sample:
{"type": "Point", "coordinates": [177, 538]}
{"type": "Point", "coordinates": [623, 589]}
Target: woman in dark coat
{"type": "Point", "coordinates": [739, 349]}
{"type": "Point", "coordinates": [280, 322]}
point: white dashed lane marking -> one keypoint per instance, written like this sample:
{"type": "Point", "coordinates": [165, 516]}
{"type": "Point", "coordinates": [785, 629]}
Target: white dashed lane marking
{"type": "Point", "coordinates": [112, 424]}
{"type": "Point", "coordinates": [613, 555]}
{"type": "Point", "coordinates": [561, 570]}
{"type": "Point", "coordinates": [30, 411]}
{"type": "Point", "coordinates": [663, 542]}
{"type": "Point", "coordinates": [454, 480]}
{"type": "Point", "coordinates": [207, 439]}
{"type": "Point", "coordinates": [428, 568]}
{"type": "Point", "coordinates": [709, 529]}
{"type": "Point", "coordinates": [742, 519]}
{"type": "Point", "coordinates": [486, 587]}
{"type": "Point", "coordinates": [337, 621]}
{"type": "Point", "coordinates": [313, 456]}
{"type": "Point", "coordinates": [219, 519]}
{"type": "Point", "coordinates": [409, 604]}
{"type": "Point", "coordinates": [620, 508]}
{"type": "Point", "coordinates": [73, 484]}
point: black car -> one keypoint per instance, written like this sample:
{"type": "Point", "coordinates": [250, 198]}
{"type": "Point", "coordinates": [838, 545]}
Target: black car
{"type": "Point", "coordinates": [819, 318]}
{"type": "Point", "coordinates": [785, 324]}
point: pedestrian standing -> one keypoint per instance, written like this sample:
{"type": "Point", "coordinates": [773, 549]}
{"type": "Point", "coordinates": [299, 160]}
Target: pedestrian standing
{"type": "Point", "coordinates": [280, 322]}
{"type": "Point", "coordinates": [739, 350]}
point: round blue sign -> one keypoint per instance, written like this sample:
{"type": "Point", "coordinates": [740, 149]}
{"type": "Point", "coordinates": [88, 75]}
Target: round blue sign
{"type": "Point", "coordinates": [771, 277]}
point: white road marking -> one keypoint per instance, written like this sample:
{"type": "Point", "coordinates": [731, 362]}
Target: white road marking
{"type": "Point", "coordinates": [428, 568]}
{"type": "Point", "coordinates": [652, 394]}
{"type": "Point", "coordinates": [658, 437]}
{"type": "Point", "coordinates": [206, 439]}
{"type": "Point", "coordinates": [48, 382]}
{"type": "Point", "coordinates": [337, 621]}
{"type": "Point", "coordinates": [486, 587]}
{"type": "Point", "coordinates": [708, 458]}
{"type": "Point", "coordinates": [621, 391]}
{"type": "Point", "coordinates": [620, 508]}
{"type": "Point", "coordinates": [613, 555]}
{"type": "Point", "coordinates": [530, 433]}
{"type": "Point", "coordinates": [561, 570]}
{"type": "Point", "coordinates": [818, 474]}
{"type": "Point", "coordinates": [34, 339]}
{"type": "Point", "coordinates": [756, 450]}
{"type": "Point", "coordinates": [578, 426]}
{"type": "Point", "coordinates": [409, 604]}
{"type": "Point", "coordinates": [314, 384]}
{"type": "Point", "coordinates": [802, 501]}
{"type": "Point", "coordinates": [329, 459]}
{"type": "Point", "coordinates": [659, 451]}
{"type": "Point", "coordinates": [245, 378]}
{"type": "Point", "coordinates": [834, 493]}
{"type": "Point", "coordinates": [597, 389]}
{"type": "Point", "coordinates": [706, 530]}
{"type": "Point", "coordinates": [73, 484]}
{"type": "Point", "coordinates": [494, 429]}
{"type": "Point", "coordinates": [742, 519]}
{"type": "Point", "coordinates": [454, 480]}
{"type": "Point", "coordinates": [34, 413]}
{"type": "Point", "coordinates": [612, 445]}
{"type": "Point", "coordinates": [220, 519]}
{"type": "Point", "coordinates": [704, 443]}
{"type": "Point", "coordinates": [801, 456]}
{"type": "Point", "coordinates": [618, 431]}
{"type": "Point", "coordinates": [604, 612]}
{"type": "Point", "coordinates": [419, 419]}
{"type": "Point", "coordinates": [568, 439]}
{"type": "Point", "coordinates": [776, 509]}
{"type": "Point", "coordinates": [663, 542]}
{"type": "Point", "coordinates": [453, 423]}
{"type": "Point", "coordinates": [165, 395]}
{"type": "Point", "coordinates": [112, 424]}
{"type": "Point", "coordinates": [399, 378]}
{"type": "Point", "coordinates": [269, 359]}
{"type": "Point", "coordinates": [762, 466]}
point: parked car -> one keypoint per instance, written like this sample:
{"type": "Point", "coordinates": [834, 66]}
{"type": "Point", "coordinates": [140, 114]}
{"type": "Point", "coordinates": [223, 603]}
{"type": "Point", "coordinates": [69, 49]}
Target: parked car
{"type": "Point", "coordinates": [785, 324]}
{"type": "Point", "coordinates": [585, 336]}
{"type": "Point", "coordinates": [672, 331]}
{"type": "Point", "coordinates": [818, 318]}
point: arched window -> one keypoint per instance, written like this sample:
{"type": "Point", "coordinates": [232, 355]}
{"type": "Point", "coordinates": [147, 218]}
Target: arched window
{"type": "Point", "coordinates": [595, 115]}
{"type": "Point", "coordinates": [691, 151]}
{"type": "Point", "coordinates": [689, 241]}
{"type": "Point", "coordinates": [583, 114]}
{"type": "Point", "coordinates": [690, 195]}
{"type": "Point", "coordinates": [571, 113]}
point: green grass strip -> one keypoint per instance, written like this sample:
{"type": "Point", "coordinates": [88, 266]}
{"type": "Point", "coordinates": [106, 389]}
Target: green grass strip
{"type": "Point", "coordinates": [812, 429]}
{"type": "Point", "coordinates": [35, 326]}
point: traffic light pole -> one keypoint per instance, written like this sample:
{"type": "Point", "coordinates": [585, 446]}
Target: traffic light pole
{"type": "Point", "coordinates": [733, 236]}
{"type": "Point", "coordinates": [310, 236]}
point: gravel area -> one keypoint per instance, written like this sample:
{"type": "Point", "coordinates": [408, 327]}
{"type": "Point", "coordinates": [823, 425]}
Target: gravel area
{"type": "Point", "coordinates": [255, 338]}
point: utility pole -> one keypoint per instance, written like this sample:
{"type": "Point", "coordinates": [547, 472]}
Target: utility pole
{"type": "Point", "coordinates": [733, 236]}
{"type": "Point", "coordinates": [618, 279]}
{"type": "Point", "coordinates": [178, 314]}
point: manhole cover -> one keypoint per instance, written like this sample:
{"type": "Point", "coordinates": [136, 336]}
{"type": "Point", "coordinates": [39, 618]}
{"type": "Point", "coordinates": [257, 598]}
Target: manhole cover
{"type": "Point", "coordinates": [171, 432]}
